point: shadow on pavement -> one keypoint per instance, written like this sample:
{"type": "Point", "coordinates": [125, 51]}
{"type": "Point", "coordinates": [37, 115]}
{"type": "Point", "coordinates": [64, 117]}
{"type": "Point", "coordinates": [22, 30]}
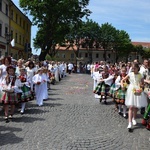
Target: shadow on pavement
{"type": "Point", "coordinates": [27, 119]}
{"type": "Point", "coordinates": [7, 134]}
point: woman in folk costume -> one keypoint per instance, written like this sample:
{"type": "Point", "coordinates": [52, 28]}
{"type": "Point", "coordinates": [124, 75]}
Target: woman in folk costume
{"type": "Point", "coordinates": [135, 97]}
{"type": "Point", "coordinates": [10, 85]}
{"type": "Point", "coordinates": [121, 91]}
{"type": "Point", "coordinates": [146, 117]}
{"type": "Point", "coordinates": [45, 77]}
{"type": "Point", "coordinates": [105, 83]}
{"type": "Point", "coordinates": [26, 94]}
{"type": "Point", "coordinates": [5, 63]}
{"type": "Point", "coordinates": [113, 71]}
{"type": "Point", "coordinates": [38, 81]}
{"type": "Point", "coordinates": [96, 77]}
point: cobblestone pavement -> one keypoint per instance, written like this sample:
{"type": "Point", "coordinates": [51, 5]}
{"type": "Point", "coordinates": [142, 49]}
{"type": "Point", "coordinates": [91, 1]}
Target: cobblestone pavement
{"type": "Point", "coordinates": [72, 119]}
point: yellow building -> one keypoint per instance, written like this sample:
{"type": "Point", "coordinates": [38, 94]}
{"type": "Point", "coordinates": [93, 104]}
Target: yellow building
{"type": "Point", "coordinates": [20, 31]}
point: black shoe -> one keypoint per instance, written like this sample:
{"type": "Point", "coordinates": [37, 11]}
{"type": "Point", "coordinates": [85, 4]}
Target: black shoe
{"type": "Point", "coordinates": [105, 102]}
{"type": "Point", "coordinates": [10, 116]}
{"type": "Point", "coordinates": [130, 129]}
{"type": "Point", "coordinates": [100, 100]}
{"type": "Point", "coordinates": [119, 113]}
{"type": "Point", "coordinates": [6, 119]}
{"type": "Point", "coordinates": [142, 111]}
{"type": "Point", "coordinates": [21, 113]}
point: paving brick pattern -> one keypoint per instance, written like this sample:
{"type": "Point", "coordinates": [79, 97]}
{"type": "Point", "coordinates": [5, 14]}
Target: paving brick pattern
{"type": "Point", "coordinates": [72, 119]}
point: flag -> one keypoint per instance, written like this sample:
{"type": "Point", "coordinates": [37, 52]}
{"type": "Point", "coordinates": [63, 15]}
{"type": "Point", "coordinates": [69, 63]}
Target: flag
{"type": "Point", "coordinates": [12, 42]}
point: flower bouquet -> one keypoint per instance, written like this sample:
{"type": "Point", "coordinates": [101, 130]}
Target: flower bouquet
{"type": "Point", "coordinates": [38, 83]}
{"type": "Point", "coordinates": [125, 86]}
{"type": "Point", "coordinates": [137, 91]}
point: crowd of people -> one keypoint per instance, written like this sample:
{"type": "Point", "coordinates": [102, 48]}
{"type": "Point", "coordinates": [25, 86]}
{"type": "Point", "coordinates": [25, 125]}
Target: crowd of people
{"type": "Point", "coordinates": [23, 81]}
{"type": "Point", "coordinates": [128, 84]}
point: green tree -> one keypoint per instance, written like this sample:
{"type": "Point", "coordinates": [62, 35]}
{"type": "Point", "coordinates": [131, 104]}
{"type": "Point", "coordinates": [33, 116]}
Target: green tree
{"type": "Point", "coordinates": [106, 37]}
{"type": "Point", "coordinates": [84, 35]}
{"type": "Point", "coordinates": [53, 19]}
{"type": "Point", "coordinates": [122, 44]}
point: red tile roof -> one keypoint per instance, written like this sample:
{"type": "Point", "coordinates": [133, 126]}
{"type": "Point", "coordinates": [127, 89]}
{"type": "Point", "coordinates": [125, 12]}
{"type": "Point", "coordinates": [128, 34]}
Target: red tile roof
{"type": "Point", "coordinates": [144, 44]}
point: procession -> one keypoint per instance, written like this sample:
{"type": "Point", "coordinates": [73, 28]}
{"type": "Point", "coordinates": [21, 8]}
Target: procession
{"type": "Point", "coordinates": [24, 81]}
{"type": "Point", "coordinates": [126, 84]}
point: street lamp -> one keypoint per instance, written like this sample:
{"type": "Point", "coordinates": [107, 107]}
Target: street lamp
{"type": "Point", "coordinates": [8, 38]}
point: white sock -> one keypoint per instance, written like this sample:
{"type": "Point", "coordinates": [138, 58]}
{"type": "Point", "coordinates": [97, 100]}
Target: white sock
{"type": "Point", "coordinates": [124, 110]}
{"type": "Point", "coordinates": [119, 106]}
{"type": "Point", "coordinates": [23, 107]}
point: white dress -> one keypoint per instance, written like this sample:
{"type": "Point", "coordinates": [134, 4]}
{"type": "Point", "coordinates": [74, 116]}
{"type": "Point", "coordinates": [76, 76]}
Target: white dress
{"type": "Point", "coordinates": [131, 99]}
{"type": "Point", "coordinates": [30, 74]}
{"type": "Point", "coordinates": [3, 72]}
{"type": "Point", "coordinates": [38, 88]}
{"type": "Point", "coordinates": [96, 77]}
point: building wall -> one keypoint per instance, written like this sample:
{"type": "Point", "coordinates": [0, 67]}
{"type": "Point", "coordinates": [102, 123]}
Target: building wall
{"type": "Point", "coordinates": [94, 55]}
{"type": "Point", "coordinates": [85, 56]}
{"type": "Point", "coordinates": [4, 26]}
{"type": "Point", "coordinates": [20, 28]}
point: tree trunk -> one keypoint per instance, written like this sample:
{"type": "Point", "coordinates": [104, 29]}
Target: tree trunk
{"type": "Point", "coordinates": [42, 55]}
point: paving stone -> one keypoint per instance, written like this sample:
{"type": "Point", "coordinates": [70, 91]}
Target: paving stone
{"type": "Point", "coordinates": [72, 119]}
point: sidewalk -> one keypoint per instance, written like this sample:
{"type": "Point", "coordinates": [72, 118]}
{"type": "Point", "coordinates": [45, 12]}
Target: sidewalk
{"type": "Point", "coordinates": [72, 119]}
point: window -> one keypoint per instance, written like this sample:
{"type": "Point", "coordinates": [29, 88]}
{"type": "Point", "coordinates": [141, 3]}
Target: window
{"type": "Point", "coordinates": [80, 54]}
{"type": "Point", "coordinates": [57, 55]}
{"type": "Point", "coordinates": [6, 53]}
{"type": "Point", "coordinates": [16, 38]}
{"type": "Point", "coordinates": [12, 14]}
{"type": "Point", "coordinates": [6, 10]}
{"type": "Point", "coordinates": [23, 24]}
{"type": "Point", "coordinates": [97, 55]}
{"type": "Point", "coordinates": [16, 18]}
{"type": "Point", "coordinates": [23, 41]}
{"type": "Point", "coordinates": [90, 55]}
{"type": "Point", "coordinates": [12, 34]}
{"type": "Point", "coordinates": [0, 5]}
{"type": "Point", "coordinates": [20, 21]}
{"type": "Point", "coordinates": [0, 29]}
{"type": "Point", "coordinates": [72, 55]}
{"type": "Point", "coordinates": [6, 30]}
{"type": "Point", "coordinates": [86, 55]}
{"type": "Point", "coordinates": [20, 39]}
{"type": "Point", "coordinates": [63, 55]}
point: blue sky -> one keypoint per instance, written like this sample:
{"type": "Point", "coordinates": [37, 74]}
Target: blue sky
{"type": "Point", "coordinates": [133, 16]}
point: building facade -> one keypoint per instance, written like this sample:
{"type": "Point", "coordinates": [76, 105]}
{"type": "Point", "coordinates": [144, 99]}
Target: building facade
{"type": "Point", "coordinates": [4, 26]}
{"type": "Point", "coordinates": [95, 54]}
{"type": "Point", "coordinates": [15, 31]}
{"type": "Point", "coordinates": [20, 30]}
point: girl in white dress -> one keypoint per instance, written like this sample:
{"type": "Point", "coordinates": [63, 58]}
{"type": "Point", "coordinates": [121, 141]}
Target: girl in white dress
{"type": "Point", "coordinates": [38, 80]}
{"type": "Point", "coordinates": [31, 70]}
{"type": "Point", "coordinates": [135, 97]}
